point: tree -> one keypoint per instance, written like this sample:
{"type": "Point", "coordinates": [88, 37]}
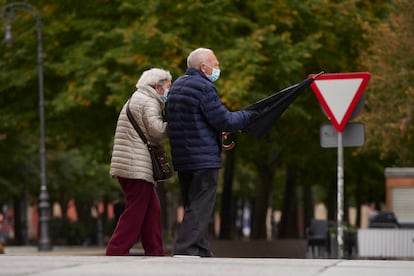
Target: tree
{"type": "Point", "coordinates": [390, 60]}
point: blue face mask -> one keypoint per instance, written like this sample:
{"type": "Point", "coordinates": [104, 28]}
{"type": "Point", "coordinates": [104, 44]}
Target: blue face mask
{"type": "Point", "coordinates": [165, 96]}
{"type": "Point", "coordinates": [215, 74]}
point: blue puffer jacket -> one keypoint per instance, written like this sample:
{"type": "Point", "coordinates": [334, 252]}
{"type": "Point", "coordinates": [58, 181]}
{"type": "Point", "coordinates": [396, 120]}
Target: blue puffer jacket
{"type": "Point", "coordinates": [196, 117]}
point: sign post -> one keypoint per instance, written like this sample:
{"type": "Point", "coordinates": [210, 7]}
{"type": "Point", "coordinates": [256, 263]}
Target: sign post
{"type": "Point", "coordinates": [339, 94]}
{"type": "Point", "coordinates": [340, 197]}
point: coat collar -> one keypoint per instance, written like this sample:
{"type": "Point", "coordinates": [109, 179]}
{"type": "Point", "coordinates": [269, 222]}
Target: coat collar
{"type": "Point", "coordinates": [193, 71]}
{"type": "Point", "coordinates": [150, 92]}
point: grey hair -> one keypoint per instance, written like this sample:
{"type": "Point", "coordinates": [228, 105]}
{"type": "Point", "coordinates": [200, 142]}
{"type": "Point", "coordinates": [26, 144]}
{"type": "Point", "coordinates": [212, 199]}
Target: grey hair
{"type": "Point", "coordinates": [154, 77]}
{"type": "Point", "coordinates": [197, 56]}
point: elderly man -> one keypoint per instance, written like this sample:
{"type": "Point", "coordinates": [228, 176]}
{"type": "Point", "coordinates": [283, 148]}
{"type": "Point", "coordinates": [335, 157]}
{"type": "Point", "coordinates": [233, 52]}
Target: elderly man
{"type": "Point", "coordinates": [196, 118]}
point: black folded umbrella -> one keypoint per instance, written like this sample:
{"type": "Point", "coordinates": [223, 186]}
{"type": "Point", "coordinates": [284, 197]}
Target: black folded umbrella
{"type": "Point", "coordinates": [268, 110]}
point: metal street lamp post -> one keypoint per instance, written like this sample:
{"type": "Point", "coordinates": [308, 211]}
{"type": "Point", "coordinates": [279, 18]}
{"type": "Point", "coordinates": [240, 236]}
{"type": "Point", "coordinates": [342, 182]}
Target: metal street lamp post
{"type": "Point", "coordinates": [9, 15]}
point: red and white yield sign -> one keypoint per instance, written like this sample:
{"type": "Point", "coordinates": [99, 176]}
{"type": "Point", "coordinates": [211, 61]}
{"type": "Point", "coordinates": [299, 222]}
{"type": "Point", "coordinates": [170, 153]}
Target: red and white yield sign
{"type": "Point", "coordinates": [339, 93]}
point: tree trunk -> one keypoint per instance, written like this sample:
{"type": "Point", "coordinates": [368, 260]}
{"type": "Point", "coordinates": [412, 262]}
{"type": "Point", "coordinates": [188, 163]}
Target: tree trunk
{"type": "Point", "coordinates": [288, 227]}
{"type": "Point", "coordinates": [18, 224]}
{"type": "Point", "coordinates": [331, 201]}
{"type": "Point", "coordinates": [262, 199]}
{"type": "Point", "coordinates": [358, 199]}
{"type": "Point", "coordinates": [308, 201]}
{"type": "Point", "coordinates": [88, 231]}
{"type": "Point", "coordinates": [63, 231]}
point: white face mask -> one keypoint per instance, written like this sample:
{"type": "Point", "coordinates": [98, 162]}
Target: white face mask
{"type": "Point", "coordinates": [215, 74]}
{"type": "Point", "coordinates": [164, 97]}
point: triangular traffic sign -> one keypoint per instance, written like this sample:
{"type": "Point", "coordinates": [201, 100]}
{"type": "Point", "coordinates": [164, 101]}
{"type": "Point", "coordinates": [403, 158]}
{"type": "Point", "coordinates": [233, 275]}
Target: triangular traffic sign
{"type": "Point", "coordinates": [338, 93]}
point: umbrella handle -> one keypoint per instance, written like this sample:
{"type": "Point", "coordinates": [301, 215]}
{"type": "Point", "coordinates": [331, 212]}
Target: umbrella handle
{"type": "Point", "coordinates": [224, 146]}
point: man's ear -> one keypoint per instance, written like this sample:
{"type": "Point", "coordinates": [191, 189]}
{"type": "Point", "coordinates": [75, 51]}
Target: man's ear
{"type": "Point", "coordinates": [202, 67]}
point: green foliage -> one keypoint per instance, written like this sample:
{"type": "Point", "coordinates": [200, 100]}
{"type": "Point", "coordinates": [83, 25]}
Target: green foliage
{"type": "Point", "coordinates": [18, 171]}
{"type": "Point", "coordinates": [390, 93]}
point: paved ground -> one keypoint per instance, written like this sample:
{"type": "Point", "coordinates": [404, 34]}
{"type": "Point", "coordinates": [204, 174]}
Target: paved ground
{"type": "Point", "coordinates": [90, 261]}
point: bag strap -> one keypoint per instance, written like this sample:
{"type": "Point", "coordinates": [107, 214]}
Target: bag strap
{"type": "Point", "coordinates": [135, 124]}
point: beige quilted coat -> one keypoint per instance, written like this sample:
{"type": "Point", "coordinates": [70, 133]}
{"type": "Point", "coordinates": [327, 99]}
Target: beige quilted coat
{"type": "Point", "coordinates": [130, 156]}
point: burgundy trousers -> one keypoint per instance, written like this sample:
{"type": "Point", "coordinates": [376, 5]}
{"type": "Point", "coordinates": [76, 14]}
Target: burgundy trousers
{"type": "Point", "coordinates": [140, 219]}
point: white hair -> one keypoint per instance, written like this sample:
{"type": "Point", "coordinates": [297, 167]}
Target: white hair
{"type": "Point", "coordinates": [197, 56]}
{"type": "Point", "coordinates": [154, 77]}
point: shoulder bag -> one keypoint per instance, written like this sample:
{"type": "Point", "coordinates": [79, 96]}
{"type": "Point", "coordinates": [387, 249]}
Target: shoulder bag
{"type": "Point", "coordinates": [160, 167]}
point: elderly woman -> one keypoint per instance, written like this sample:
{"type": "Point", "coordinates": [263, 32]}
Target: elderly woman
{"type": "Point", "coordinates": [131, 165]}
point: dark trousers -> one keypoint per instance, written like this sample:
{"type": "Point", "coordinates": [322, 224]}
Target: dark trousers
{"type": "Point", "coordinates": [141, 218]}
{"type": "Point", "coordinates": [199, 195]}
